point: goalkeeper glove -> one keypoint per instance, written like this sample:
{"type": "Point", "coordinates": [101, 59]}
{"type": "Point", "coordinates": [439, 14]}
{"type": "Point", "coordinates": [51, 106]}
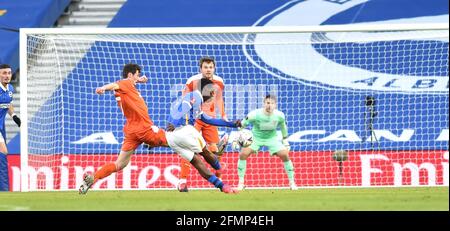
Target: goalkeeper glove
{"type": "Point", "coordinates": [238, 123]}
{"type": "Point", "coordinates": [286, 143]}
{"type": "Point", "coordinates": [235, 145]}
{"type": "Point", "coordinates": [16, 119]}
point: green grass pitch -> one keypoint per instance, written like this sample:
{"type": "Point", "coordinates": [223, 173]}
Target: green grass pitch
{"type": "Point", "coordinates": [330, 199]}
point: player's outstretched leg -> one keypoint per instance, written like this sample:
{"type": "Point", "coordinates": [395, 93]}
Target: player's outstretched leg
{"type": "Point", "coordinates": [229, 190]}
{"type": "Point", "coordinates": [221, 148]}
{"type": "Point", "coordinates": [210, 158]}
{"type": "Point", "coordinates": [182, 185]}
{"type": "Point", "coordinates": [225, 188]}
{"type": "Point", "coordinates": [242, 166]}
{"type": "Point", "coordinates": [88, 181]}
{"type": "Point", "coordinates": [222, 144]}
{"type": "Point", "coordinates": [184, 173]}
{"type": "Point", "coordinates": [213, 161]}
{"type": "Point", "coordinates": [288, 167]}
{"type": "Point", "coordinates": [206, 174]}
{"type": "Point", "coordinates": [103, 172]}
{"type": "Point", "coordinates": [292, 185]}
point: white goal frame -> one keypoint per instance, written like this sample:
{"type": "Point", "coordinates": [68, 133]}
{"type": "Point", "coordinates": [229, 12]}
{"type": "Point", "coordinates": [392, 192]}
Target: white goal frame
{"type": "Point", "coordinates": [24, 32]}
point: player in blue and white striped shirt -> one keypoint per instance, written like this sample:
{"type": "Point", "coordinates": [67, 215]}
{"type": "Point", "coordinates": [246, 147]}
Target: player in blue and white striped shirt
{"type": "Point", "coordinates": [6, 93]}
{"type": "Point", "coordinates": [186, 110]}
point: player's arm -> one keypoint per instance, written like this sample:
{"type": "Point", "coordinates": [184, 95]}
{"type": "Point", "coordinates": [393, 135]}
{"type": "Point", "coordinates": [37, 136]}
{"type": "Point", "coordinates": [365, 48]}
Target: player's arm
{"type": "Point", "coordinates": [248, 119]}
{"type": "Point", "coordinates": [142, 79]}
{"type": "Point", "coordinates": [283, 127]}
{"type": "Point", "coordinates": [189, 87]}
{"type": "Point", "coordinates": [181, 108]}
{"type": "Point", "coordinates": [219, 122]}
{"type": "Point", "coordinates": [108, 87]}
{"type": "Point", "coordinates": [218, 100]}
{"type": "Point", "coordinates": [13, 115]}
{"type": "Point", "coordinates": [220, 103]}
{"type": "Point", "coordinates": [284, 132]}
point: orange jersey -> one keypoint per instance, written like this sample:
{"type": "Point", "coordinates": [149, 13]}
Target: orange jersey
{"type": "Point", "coordinates": [133, 106]}
{"type": "Point", "coordinates": [209, 107]}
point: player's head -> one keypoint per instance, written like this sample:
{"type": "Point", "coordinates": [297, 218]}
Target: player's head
{"type": "Point", "coordinates": [131, 70]}
{"type": "Point", "coordinates": [207, 67]}
{"type": "Point", "coordinates": [270, 103]}
{"type": "Point", "coordinates": [207, 88]}
{"type": "Point", "coordinates": [5, 73]}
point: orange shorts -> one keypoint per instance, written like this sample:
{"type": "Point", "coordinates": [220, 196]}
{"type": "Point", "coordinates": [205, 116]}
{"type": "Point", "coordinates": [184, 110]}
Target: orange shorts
{"type": "Point", "coordinates": [209, 132]}
{"type": "Point", "coordinates": [152, 136]}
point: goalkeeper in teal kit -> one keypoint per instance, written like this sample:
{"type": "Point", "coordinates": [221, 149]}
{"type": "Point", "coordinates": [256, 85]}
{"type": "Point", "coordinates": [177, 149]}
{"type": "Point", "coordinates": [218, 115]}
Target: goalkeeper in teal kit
{"type": "Point", "coordinates": [265, 122]}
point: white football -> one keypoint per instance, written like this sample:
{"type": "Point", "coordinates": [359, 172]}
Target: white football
{"type": "Point", "coordinates": [245, 138]}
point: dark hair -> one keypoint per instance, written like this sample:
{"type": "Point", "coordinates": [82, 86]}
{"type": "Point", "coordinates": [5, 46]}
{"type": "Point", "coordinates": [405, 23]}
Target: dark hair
{"type": "Point", "coordinates": [206, 59]}
{"type": "Point", "coordinates": [4, 66]}
{"type": "Point", "coordinates": [272, 97]}
{"type": "Point", "coordinates": [130, 68]}
{"type": "Point", "coordinates": [204, 82]}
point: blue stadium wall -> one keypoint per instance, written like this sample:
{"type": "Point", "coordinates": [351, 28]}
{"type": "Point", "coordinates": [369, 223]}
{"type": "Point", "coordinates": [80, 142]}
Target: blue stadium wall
{"type": "Point", "coordinates": [16, 14]}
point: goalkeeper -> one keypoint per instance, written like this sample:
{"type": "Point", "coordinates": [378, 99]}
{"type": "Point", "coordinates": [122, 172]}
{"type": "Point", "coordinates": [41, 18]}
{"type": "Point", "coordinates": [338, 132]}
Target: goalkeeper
{"type": "Point", "coordinates": [265, 122]}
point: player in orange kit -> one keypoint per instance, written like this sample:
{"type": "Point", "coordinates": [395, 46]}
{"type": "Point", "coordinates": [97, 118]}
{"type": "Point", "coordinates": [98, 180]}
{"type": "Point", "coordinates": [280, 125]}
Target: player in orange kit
{"type": "Point", "coordinates": [209, 132]}
{"type": "Point", "coordinates": [139, 129]}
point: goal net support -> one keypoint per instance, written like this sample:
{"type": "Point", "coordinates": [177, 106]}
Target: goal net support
{"type": "Point", "coordinates": [365, 105]}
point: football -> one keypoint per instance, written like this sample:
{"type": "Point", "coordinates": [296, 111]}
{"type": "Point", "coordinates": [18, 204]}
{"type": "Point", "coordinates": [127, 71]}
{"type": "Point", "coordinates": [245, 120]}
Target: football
{"type": "Point", "coordinates": [245, 138]}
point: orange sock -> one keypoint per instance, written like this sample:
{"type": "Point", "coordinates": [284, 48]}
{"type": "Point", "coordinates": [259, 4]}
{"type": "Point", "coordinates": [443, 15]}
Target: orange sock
{"type": "Point", "coordinates": [105, 171]}
{"type": "Point", "coordinates": [185, 168]}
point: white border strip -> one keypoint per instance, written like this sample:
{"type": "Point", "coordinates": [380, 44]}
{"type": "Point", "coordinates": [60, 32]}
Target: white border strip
{"type": "Point", "coordinates": [23, 113]}
{"type": "Point", "coordinates": [230, 30]}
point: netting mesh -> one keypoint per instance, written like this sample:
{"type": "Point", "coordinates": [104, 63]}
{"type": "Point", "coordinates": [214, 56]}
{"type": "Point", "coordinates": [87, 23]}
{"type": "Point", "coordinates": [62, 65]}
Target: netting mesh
{"type": "Point", "coordinates": [321, 81]}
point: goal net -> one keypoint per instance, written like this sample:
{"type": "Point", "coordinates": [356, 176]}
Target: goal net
{"type": "Point", "coordinates": [364, 105]}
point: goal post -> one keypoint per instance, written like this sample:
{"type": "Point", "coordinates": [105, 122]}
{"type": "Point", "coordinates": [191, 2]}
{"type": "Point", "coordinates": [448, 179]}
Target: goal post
{"type": "Point", "coordinates": [365, 105]}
